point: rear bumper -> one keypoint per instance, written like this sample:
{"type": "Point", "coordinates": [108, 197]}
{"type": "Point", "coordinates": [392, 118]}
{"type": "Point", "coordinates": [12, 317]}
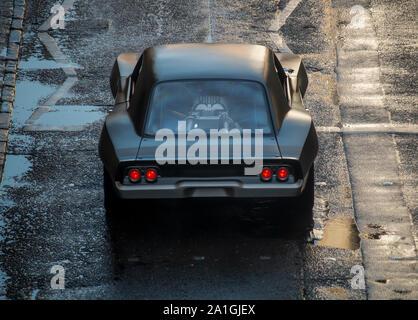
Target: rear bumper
{"type": "Point", "coordinates": [209, 188]}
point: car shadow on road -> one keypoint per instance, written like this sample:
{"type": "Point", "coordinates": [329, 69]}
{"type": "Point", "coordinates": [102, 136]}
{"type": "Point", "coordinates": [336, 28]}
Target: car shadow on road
{"type": "Point", "coordinates": [165, 231]}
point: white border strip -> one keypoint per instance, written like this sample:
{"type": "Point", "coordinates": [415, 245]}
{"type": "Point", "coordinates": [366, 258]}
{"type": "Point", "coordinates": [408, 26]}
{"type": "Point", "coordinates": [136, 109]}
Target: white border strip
{"type": "Point", "coordinates": [274, 30]}
{"type": "Point", "coordinates": [371, 128]}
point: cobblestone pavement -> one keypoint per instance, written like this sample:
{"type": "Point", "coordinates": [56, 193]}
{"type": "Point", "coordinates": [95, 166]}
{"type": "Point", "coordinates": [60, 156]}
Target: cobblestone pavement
{"type": "Point", "coordinates": [11, 27]}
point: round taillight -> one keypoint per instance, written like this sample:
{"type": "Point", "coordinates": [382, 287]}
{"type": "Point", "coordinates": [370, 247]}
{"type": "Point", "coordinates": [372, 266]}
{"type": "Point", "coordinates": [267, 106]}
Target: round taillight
{"type": "Point", "coordinates": [266, 174]}
{"type": "Point", "coordinates": [151, 175]}
{"type": "Point", "coordinates": [134, 175]}
{"type": "Point", "coordinates": [282, 174]}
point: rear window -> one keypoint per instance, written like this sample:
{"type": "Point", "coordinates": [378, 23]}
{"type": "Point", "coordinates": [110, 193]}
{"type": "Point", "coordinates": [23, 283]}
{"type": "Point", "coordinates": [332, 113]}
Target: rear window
{"type": "Point", "coordinates": [208, 104]}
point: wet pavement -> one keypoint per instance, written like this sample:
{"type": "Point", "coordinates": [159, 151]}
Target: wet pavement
{"type": "Point", "coordinates": [51, 208]}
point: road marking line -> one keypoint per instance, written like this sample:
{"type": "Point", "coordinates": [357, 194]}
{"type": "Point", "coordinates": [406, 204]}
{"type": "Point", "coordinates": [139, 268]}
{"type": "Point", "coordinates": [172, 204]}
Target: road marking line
{"type": "Point", "coordinates": [274, 30]}
{"type": "Point", "coordinates": [210, 36]}
{"type": "Point", "coordinates": [280, 43]}
{"type": "Point", "coordinates": [283, 15]}
{"type": "Point", "coordinates": [61, 92]}
{"type": "Point", "coordinates": [65, 118]}
{"type": "Point", "coordinates": [52, 47]}
{"type": "Point", "coordinates": [371, 128]}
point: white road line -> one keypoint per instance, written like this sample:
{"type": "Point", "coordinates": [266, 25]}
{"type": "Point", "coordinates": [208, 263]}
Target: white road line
{"type": "Point", "coordinates": [65, 118]}
{"type": "Point", "coordinates": [274, 30]}
{"type": "Point", "coordinates": [61, 92]}
{"type": "Point", "coordinates": [280, 43]}
{"type": "Point", "coordinates": [283, 15]}
{"type": "Point", "coordinates": [371, 128]}
{"type": "Point", "coordinates": [210, 36]}
{"type": "Point", "coordinates": [52, 47]}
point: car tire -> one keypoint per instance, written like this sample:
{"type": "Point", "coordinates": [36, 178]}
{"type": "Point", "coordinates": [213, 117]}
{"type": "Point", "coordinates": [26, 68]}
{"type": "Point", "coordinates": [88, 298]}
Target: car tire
{"type": "Point", "coordinates": [112, 202]}
{"type": "Point", "coordinates": [306, 199]}
{"type": "Point", "coordinates": [300, 215]}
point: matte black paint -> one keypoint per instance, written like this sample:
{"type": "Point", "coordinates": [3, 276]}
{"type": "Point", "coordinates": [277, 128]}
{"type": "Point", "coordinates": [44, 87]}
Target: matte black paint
{"type": "Point", "coordinates": [122, 143]}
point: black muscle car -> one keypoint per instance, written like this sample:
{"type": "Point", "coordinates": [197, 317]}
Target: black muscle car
{"type": "Point", "coordinates": [208, 120]}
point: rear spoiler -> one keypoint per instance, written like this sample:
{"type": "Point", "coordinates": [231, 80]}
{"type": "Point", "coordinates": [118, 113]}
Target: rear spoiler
{"type": "Point", "coordinates": [119, 77]}
{"type": "Point", "coordinates": [297, 78]}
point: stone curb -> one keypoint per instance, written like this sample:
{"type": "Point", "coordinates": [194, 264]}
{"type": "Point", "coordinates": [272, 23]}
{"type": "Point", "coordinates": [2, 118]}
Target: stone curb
{"type": "Point", "coordinates": [12, 14]}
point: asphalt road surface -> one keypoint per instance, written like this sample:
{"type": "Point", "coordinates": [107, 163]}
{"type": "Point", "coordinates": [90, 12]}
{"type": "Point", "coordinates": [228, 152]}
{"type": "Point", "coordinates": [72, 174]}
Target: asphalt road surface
{"type": "Point", "coordinates": [361, 60]}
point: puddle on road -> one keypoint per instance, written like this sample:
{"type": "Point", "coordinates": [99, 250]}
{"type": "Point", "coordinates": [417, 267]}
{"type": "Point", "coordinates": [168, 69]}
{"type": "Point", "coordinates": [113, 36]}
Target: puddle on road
{"type": "Point", "coordinates": [68, 118]}
{"type": "Point", "coordinates": [33, 63]}
{"type": "Point", "coordinates": [28, 94]}
{"type": "Point", "coordinates": [16, 167]}
{"type": "Point", "coordinates": [340, 232]}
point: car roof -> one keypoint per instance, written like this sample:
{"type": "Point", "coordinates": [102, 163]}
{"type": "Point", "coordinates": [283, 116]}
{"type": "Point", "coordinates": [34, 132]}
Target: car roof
{"type": "Point", "coordinates": [207, 61]}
